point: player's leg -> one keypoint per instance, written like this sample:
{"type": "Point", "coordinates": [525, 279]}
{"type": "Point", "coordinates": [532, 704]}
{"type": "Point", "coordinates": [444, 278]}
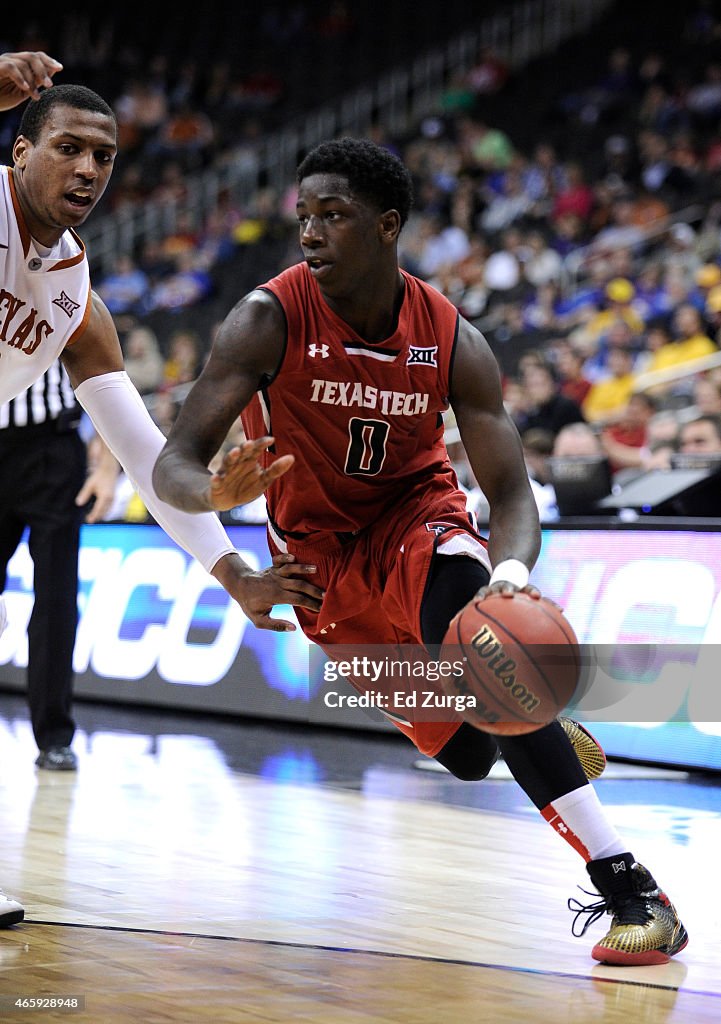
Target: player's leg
{"type": "Point", "coordinates": [452, 581]}
{"type": "Point", "coordinates": [645, 927]}
{"type": "Point", "coordinates": [470, 754]}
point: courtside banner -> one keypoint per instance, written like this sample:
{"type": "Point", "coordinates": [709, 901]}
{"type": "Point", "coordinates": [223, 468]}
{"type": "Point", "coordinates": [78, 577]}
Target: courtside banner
{"type": "Point", "coordinates": [155, 628]}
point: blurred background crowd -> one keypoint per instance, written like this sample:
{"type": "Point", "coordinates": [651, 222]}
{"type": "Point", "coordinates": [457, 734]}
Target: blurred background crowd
{"type": "Point", "coordinates": [570, 208]}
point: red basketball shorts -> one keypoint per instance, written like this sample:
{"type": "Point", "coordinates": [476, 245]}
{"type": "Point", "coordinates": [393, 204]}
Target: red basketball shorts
{"type": "Point", "coordinates": [375, 581]}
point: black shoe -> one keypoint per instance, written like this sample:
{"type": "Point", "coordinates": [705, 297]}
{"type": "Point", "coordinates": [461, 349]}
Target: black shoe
{"type": "Point", "coordinates": [11, 912]}
{"type": "Point", "coordinates": [57, 759]}
{"type": "Point", "coordinates": [645, 928]}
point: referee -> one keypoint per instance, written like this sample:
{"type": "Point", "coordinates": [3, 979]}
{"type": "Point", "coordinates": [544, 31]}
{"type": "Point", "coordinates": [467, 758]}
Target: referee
{"type": "Point", "coordinates": [44, 487]}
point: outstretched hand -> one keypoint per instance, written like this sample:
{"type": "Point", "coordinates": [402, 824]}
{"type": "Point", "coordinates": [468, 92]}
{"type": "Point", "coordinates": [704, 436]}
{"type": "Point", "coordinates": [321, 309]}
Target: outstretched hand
{"type": "Point", "coordinates": [258, 591]}
{"type": "Point", "coordinates": [241, 478]}
{"type": "Point", "coordinates": [23, 75]}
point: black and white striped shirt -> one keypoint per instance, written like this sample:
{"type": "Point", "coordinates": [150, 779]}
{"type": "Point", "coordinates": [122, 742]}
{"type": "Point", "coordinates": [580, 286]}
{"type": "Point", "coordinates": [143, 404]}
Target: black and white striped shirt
{"type": "Point", "coordinates": [50, 400]}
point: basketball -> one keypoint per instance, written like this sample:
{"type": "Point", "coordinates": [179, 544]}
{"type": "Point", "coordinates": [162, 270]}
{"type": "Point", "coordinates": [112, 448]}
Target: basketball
{"type": "Point", "coordinates": [521, 663]}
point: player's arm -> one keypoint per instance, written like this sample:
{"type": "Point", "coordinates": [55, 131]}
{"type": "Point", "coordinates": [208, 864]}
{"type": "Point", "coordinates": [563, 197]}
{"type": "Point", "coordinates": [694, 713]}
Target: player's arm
{"type": "Point", "coordinates": [247, 351]}
{"type": "Point", "coordinates": [23, 74]}
{"type": "Point", "coordinates": [95, 366]}
{"type": "Point", "coordinates": [494, 451]}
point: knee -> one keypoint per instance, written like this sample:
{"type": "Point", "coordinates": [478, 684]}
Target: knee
{"type": "Point", "coordinates": [469, 755]}
{"type": "Point", "coordinates": [473, 772]}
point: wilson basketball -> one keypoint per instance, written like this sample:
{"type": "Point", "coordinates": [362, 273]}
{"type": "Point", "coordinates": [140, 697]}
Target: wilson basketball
{"type": "Point", "coordinates": [521, 663]}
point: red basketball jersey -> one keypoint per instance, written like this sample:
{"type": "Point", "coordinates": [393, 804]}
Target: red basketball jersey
{"type": "Point", "coordinates": [362, 420]}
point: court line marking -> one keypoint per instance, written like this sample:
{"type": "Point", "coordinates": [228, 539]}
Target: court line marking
{"type": "Point", "coordinates": [415, 957]}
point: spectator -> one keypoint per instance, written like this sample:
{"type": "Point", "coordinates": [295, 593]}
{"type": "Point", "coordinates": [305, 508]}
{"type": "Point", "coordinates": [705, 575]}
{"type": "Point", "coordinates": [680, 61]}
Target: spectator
{"type": "Point", "coordinates": [622, 229]}
{"type": "Point", "coordinates": [489, 75]}
{"type": "Point", "coordinates": [701, 436]}
{"type": "Point", "coordinates": [184, 361]}
{"type": "Point", "coordinates": [575, 197]}
{"type": "Point", "coordinates": [126, 288]}
{"type": "Point", "coordinates": [548, 409]}
{"type": "Point", "coordinates": [606, 400]}
{"type": "Point", "coordinates": [143, 359]}
{"type": "Point", "coordinates": [172, 187]}
{"type": "Point", "coordinates": [190, 283]}
{"type": "Point", "coordinates": [690, 341]}
{"type": "Point", "coordinates": [186, 137]}
{"type": "Point", "coordinates": [626, 441]}
{"type": "Point", "coordinates": [507, 208]}
{"type": "Point", "coordinates": [537, 447]}
{"type": "Point", "coordinates": [543, 178]}
{"type": "Point", "coordinates": [540, 312]}
{"type": "Point", "coordinates": [164, 409]}
{"type": "Point", "coordinates": [680, 252]}
{"type": "Point", "coordinates": [182, 237]}
{"type": "Point", "coordinates": [577, 440]}
{"type": "Point", "coordinates": [652, 300]}
{"type": "Point", "coordinates": [141, 109]}
{"type": "Point", "coordinates": [704, 98]}
{"type": "Point", "coordinates": [662, 440]}
{"type": "Point", "coordinates": [619, 335]}
{"type": "Point", "coordinates": [439, 245]}
{"type": "Point", "coordinates": [707, 277]}
{"type": "Point", "coordinates": [569, 366]}
{"type": "Point", "coordinates": [543, 265]}
{"type": "Point", "coordinates": [619, 295]}
{"type": "Point", "coordinates": [483, 147]}
{"type": "Point", "coordinates": [130, 190]}
{"type": "Point", "coordinates": [707, 396]}
{"type": "Point", "coordinates": [713, 313]}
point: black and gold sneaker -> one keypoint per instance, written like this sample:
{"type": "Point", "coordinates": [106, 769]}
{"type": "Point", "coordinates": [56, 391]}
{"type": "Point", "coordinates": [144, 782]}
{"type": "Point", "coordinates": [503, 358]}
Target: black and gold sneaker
{"type": "Point", "coordinates": [645, 928]}
{"type": "Point", "coordinates": [588, 749]}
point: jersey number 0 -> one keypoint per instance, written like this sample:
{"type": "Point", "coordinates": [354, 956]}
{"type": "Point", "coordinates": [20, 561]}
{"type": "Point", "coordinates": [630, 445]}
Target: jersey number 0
{"type": "Point", "coordinates": [366, 447]}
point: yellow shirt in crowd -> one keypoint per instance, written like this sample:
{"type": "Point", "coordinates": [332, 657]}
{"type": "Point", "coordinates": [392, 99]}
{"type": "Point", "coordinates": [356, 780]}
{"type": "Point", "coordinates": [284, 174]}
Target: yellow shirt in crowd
{"type": "Point", "coordinates": [608, 397]}
{"type": "Point", "coordinates": [678, 352]}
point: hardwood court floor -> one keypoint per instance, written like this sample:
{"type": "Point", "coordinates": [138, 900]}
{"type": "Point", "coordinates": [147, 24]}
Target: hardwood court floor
{"type": "Point", "coordinates": [201, 871]}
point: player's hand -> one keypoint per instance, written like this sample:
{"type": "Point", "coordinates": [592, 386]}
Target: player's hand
{"type": "Point", "coordinates": [241, 478]}
{"type": "Point", "coordinates": [99, 486]}
{"type": "Point", "coordinates": [258, 591]}
{"type": "Point", "coordinates": [23, 75]}
{"type": "Point", "coordinates": [506, 589]}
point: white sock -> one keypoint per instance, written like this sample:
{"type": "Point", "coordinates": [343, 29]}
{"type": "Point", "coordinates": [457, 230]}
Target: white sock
{"type": "Point", "coordinates": [580, 819]}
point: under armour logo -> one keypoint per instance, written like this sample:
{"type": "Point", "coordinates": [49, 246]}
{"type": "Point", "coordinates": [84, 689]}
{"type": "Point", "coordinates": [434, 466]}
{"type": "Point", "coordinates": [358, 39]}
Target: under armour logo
{"type": "Point", "coordinates": [621, 866]}
{"type": "Point", "coordinates": [332, 626]}
{"type": "Point", "coordinates": [67, 304]}
{"type": "Point", "coordinates": [562, 828]}
{"type": "Point", "coordinates": [318, 350]}
{"type": "Point", "coordinates": [426, 356]}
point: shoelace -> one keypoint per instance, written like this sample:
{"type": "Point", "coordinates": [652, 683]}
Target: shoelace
{"type": "Point", "coordinates": [628, 909]}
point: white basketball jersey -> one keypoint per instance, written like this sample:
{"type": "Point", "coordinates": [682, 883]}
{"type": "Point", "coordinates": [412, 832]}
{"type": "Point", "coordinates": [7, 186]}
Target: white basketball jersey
{"type": "Point", "coordinates": [44, 300]}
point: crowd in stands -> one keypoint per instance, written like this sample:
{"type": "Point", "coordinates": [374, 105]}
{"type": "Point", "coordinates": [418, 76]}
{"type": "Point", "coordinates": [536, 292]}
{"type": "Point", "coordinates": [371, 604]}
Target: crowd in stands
{"type": "Point", "coordinates": [590, 256]}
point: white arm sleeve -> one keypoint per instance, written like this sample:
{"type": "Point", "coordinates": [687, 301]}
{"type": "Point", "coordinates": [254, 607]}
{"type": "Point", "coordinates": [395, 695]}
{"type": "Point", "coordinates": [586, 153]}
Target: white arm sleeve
{"type": "Point", "coordinates": [120, 417]}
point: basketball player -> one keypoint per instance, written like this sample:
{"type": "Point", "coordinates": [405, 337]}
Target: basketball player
{"type": "Point", "coordinates": [353, 361]}
{"type": "Point", "coordinates": [62, 162]}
